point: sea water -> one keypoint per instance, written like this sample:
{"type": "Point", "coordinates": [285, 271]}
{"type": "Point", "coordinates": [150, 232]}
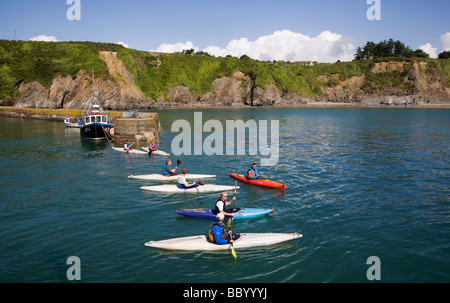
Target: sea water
{"type": "Point", "coordinates": [361, 183]}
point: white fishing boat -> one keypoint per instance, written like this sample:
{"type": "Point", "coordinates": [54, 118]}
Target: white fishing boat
{"type": "Point", "coordinates": [73, 122]}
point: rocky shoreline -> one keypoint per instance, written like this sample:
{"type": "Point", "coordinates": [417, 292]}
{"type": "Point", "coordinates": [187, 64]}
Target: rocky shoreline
{"type": "Point", "coordinates": [61, 114]}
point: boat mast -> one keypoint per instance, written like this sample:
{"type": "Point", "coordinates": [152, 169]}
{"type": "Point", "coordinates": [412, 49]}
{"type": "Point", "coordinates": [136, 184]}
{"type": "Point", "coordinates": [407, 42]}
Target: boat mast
{"type": "Point", "coordinates": [93, 87]}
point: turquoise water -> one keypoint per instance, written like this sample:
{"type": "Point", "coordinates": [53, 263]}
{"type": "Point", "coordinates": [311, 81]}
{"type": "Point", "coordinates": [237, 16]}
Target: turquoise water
{"type": "Point", "coordinates": [361, 182]}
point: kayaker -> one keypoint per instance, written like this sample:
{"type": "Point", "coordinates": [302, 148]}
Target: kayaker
{"type": "Point", "coordinates": [252, 173]}
{"type": "Point", "coordinates": [221, 206]}
{"type": "Point", "coordinates": [218, 233]}
{"type": "Point", "coordinates": [167, 168]}
{"type": "Point", "coordinates": [127, 145]}
{"type": "Point", "coordinates": [152, 147]}
{"type": "Point", "coordinates": [183, 184]}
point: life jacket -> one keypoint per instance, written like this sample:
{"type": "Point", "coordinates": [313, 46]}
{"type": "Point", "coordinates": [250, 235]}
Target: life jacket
{"type": "Point", "coordinates": [224, 231]}
{"type": "Point", "coordinates": [253, 171]}
{"type": "Point", "coordinates": [152, 146]}
{"type": "Point", "coordinates": [164, 172]}
{"type": "Point", "coordinates": [217, 210]}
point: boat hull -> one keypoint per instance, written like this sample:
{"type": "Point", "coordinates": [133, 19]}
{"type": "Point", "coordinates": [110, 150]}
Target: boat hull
{"type": "Point", "coordinates": [201, 242]}
{"type": "Point", "coordinates": [207, 213]}
{"type": "Point", "coordinates": [259, 182]}
{"type": "Point", "coordinates": [95, 131]}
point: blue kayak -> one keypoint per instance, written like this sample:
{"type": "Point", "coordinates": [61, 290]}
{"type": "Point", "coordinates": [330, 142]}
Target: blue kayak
{"type": "Point", "coordinates": [243, 213]}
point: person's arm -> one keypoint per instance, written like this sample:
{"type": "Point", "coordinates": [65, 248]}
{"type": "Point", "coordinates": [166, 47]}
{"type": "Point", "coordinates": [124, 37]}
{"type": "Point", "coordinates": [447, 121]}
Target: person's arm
{"type": "Point", "coordinates": [232, 200]}
{"type": "Point", "coordinates": [227, 214]}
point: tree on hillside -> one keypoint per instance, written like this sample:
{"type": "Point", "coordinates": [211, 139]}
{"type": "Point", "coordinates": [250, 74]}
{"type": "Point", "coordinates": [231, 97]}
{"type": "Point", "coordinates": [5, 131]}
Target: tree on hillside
{"type": "Point", "coordinates": [418, 53]}
{"type": "Point", "coordinates": [385, 48]}
{"type": "Point", "coordinates": [188, 51]}
{"type": "Point", "coordinates": [444, 55]}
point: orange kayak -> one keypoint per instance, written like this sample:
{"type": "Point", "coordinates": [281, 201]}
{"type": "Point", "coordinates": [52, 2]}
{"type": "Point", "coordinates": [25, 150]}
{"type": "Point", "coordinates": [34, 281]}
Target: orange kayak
{"type": "Point", "coordinates": [259, 182]}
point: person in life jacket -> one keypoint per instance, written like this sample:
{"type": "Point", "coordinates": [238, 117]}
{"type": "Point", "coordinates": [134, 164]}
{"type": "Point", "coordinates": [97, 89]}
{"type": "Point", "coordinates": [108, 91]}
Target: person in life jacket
{"type": "Point", "coordinates": [152, 146]}
{"type": "Point", "coordinates": [252, 173]}
{"type": "Point", "coordinates": [127, 145]}
{"type": "Point", "coordinates": [167, 169]}
{"type": "Point", "coordinates": [183, 184]}
{"type": "Point", "coordinates": [221, 206]}
{"type": "Point", "coordinates": [218, 233]}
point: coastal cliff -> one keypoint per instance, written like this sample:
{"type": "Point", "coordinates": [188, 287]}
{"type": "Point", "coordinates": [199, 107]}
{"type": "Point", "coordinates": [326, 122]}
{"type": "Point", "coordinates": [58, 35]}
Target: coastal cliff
{"type": "Point", "coordinates": [58, 75]}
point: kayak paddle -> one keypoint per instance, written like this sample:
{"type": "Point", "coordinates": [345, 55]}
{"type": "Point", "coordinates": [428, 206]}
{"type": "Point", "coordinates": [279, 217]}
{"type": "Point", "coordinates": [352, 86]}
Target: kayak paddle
{"type": "Point", "coordinates": [233, 252]}
{"type": "Point", "coordinates": [230, 221]}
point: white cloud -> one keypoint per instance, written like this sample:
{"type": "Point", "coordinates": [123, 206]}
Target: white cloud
{"type": "Point", "coordinates": [429, 49]}
{"type": "Point", "coordinates": [281, 45]}
{"type": "Point", "coordinates": [123, 44]}
{"type": "Point", "coordinates": [177, 47]}
{"type": "Point", "coordinates": [44, 38]}
{"type": "Point", "coordinates": [445, 40]}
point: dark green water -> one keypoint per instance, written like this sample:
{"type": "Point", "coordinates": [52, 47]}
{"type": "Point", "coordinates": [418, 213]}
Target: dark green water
{"type": "Point", "coordinates": [360, 183]}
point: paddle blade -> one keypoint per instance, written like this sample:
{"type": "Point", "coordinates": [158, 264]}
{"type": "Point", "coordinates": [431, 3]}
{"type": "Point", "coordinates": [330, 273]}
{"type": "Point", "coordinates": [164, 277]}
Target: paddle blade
{"type": "Point", "coordinates": [233, 252]}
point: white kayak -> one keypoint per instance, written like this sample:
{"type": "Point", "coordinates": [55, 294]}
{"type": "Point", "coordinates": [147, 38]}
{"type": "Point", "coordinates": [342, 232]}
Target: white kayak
{"type": "Point", "coordinates": [201, 242]}
{"type": "Point", "coordinates": [172, 188]}
{"type": "Point", "coordinates": [133, 151]}
{"type": "Point", "coordinates": [161, 177]}
{"type": "Point", "coordinates": [156, 152]}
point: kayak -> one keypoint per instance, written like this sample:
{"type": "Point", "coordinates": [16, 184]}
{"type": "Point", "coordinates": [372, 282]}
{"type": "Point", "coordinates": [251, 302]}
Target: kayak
{"type": "Point", "coordinates": [201, 242]}
{"type": "Point", "coordinates": [144, 151]}
{"type": "Point", "coordinates": [207, 213]}
{"type": "Point", "coordinates": [172, 188]}
{"type": "Point", "coordinates": [133, 151]}
{"type": "Point", "coordinates": [161, 177]}
{"type": "Point", "coordinates": [156, 152]}
{"type": "Point", "coordinates": [259, 182]}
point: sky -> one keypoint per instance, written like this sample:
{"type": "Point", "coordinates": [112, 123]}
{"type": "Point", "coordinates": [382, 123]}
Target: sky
{"type": "Point", "coordinates": [290, 30]}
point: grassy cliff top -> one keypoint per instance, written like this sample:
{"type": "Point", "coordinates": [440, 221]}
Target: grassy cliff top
{"type": "Point", "coordinates": [154, 74]}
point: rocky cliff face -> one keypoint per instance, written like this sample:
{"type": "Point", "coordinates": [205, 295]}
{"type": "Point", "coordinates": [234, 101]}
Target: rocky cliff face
{"type": "Point", "coordinates": [420, 84]}
{"type": "Point", "coordinates": [67, 92]}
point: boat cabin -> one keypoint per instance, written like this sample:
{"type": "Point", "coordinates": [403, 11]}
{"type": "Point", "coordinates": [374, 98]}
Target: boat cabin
{"type": "Point", "coordinates": [96, 118]}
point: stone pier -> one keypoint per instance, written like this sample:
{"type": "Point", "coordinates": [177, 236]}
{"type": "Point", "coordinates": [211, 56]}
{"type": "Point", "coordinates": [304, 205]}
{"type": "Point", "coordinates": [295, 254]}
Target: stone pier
{"type": "Point", "coordinates": [144, 129]}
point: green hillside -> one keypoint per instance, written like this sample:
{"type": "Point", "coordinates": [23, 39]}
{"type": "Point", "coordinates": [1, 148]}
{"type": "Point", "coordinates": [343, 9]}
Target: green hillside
{"type": "Point", "coordinates": [26, 61]}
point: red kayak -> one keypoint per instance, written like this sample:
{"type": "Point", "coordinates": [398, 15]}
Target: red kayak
{"type": "Point", "coordinates": [260, 182]}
